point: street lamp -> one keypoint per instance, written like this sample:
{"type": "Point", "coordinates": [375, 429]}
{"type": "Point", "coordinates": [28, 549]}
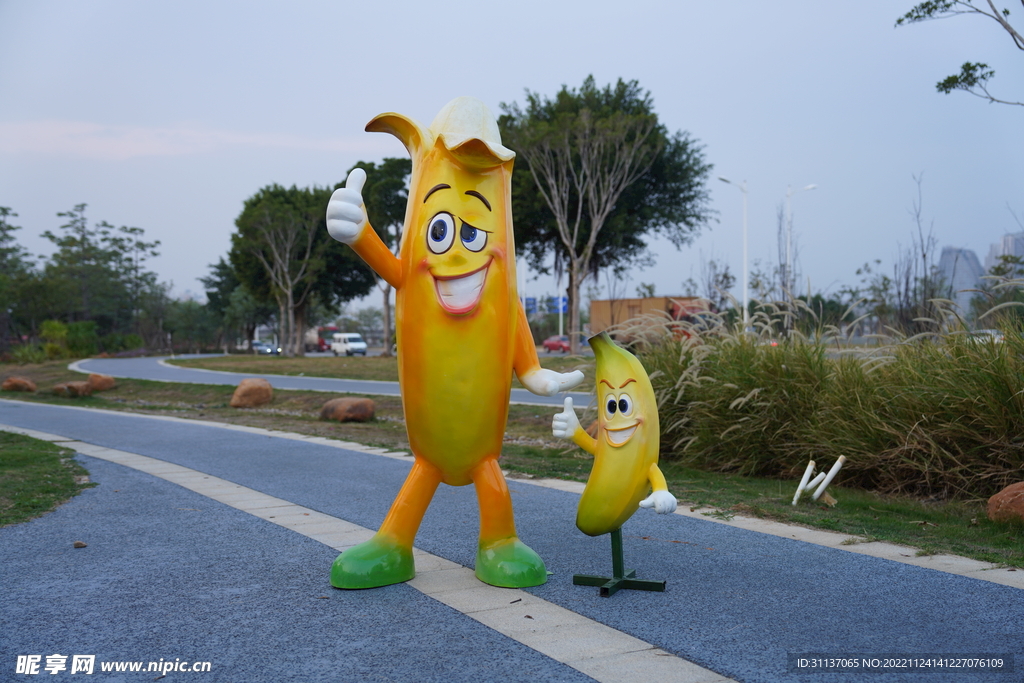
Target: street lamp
{"type": "Point", "coordinates": [789, 239]}
{"type": "Point", "coordinates": [746, 275]}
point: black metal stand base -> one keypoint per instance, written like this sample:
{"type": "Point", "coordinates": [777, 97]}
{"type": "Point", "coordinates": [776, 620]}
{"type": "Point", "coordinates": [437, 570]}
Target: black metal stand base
{"type": "Point", "coordinates": [621, 578]}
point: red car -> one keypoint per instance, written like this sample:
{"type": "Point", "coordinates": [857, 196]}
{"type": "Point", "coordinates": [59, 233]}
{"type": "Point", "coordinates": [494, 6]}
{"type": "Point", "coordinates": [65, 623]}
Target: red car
{"type": "Point", "coordinates": [556, 343]}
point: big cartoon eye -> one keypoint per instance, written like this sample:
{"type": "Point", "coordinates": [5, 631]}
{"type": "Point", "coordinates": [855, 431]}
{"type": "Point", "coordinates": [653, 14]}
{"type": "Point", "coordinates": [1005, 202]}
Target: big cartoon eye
{"type": "Point", "coordinates": [441, 233]}
{"type": "Point", "coordinates": [475, 239]}
{"type": "Point", "coordinates": [625, 404]}
{"type": "Point", "coordinates": [610, 406]}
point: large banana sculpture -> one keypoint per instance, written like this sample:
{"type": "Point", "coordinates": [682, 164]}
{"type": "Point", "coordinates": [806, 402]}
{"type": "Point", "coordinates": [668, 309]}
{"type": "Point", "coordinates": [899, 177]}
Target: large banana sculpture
{"type": "Point", "coordinates": [461, 333]}
{"type": "Point", "coordinates": [626, 448]}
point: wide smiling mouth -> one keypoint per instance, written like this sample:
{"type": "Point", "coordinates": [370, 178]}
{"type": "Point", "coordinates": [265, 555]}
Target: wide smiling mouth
{"type": "Point", "coordinates": [618, 437]}
{"type": "Point", "coordinates": [461, 293]}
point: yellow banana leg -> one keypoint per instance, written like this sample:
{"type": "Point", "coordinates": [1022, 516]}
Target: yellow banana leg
{"type": "Point", "coordinates": [501, 558]}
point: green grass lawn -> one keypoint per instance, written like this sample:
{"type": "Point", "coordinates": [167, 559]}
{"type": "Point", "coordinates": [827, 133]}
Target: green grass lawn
{"type": "Point", "coordinates": [35, 477]}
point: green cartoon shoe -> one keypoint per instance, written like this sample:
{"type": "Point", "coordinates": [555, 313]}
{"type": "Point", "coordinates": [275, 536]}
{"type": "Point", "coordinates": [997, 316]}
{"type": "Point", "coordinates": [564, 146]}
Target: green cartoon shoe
{"type": "Point", "coordinates": [377, 562]}
{"type": "Point", "coordinates": [509, 563]}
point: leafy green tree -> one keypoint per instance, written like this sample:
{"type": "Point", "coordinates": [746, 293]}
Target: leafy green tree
{"type": "Point", "coordinates": [973, 76]}
{"type": "Point", "coordinates": [14, 267]}
{"type": "Point", "coordinates": [235, 311]}
{"type": "Point", "coordinates": [596, 173]}
{"type": "Point", "coordinates": [191, 325]}
{"type": "Point", "coordinates": [385, 195]}
{"type": "Point", "coordinates": [98, 273]}
{"type": "Point", "coordinates": [130, 251]}
{"type": "Point", "coordinates": [283, 253]}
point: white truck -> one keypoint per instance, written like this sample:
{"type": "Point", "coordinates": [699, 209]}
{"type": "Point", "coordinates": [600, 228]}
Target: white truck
{"type": "Point", "coordinates": [348, 343]}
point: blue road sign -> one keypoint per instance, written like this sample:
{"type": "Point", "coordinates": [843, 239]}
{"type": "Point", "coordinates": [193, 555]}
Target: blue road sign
{"type": "Point", "coordinates": [554, 303]}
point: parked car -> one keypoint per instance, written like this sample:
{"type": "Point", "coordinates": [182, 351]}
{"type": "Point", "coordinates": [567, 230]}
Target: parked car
{"type": "Point", "coordinates": [348, 343]}
{"type": "Point", "coordinates": [265, 348]}
{"type": "Point", "coordinates": [985, 336]}
{"type": "Point", "coordinates": [557, 343]}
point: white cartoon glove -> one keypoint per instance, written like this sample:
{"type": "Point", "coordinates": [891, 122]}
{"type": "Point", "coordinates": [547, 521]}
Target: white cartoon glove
{"type": "Point", "coordinates": [544, 382]}
{"type": "Point", "coordinates": [346, 215]}
{"type": "Point", "coordinates": [564, 424]}
{"type": "Point", "coordinates": [663, 502]}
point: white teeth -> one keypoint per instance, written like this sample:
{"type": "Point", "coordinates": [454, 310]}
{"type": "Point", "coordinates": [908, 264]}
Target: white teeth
{"type": "Point", "coordinates": [620, 436]}
{"type": "Point", "coordinates": [461, 293]}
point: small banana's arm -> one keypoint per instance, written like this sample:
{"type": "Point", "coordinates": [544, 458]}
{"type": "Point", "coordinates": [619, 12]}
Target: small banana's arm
{"type": "Point", "coordinates": [565, 425]}
{"type": "Point", "coordinates": [660, 499]}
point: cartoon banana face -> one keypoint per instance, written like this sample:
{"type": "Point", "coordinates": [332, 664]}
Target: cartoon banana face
{"type": "Point", "coordinates": [627, 442]}
{"type": "Point", "coordinates": [460, 237]}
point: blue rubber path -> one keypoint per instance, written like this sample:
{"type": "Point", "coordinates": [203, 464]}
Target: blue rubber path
{"type": "Point", "coordinates": [171, 574]}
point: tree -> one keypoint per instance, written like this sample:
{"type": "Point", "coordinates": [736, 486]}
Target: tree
{"type": "Point", "coordinates": [130, 252]}
{"type": "Point", "coordinates": [716, 282]}
{"type": "Point", "coordinates": [598, 172]}
{"type": "Point", "coordinates": [14, 266]}
{"type": "Point", "coordinates": [973, 76]}
{"type": "Point", "coordinates": [385, 195]}
{"type": "Point", "coordinates": [97, 273]}
{"type": "Point", "coordinates": [281, 252]}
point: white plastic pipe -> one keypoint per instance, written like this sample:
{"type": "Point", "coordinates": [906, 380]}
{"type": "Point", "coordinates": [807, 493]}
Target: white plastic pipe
{"type": "Point", "coordinates": [803, 481]}
{"type": "Point", "coordinates": [831, 475]}
{"type": "Point", "coordinates": [814, 482]}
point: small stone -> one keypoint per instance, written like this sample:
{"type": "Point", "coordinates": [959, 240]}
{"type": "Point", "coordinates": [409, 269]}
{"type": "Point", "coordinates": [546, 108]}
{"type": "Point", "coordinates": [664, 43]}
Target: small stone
{"type": "Point", "coordinates": [72, 389]}
{"type": "Point", "coordinates": [15, 383]}
{"type": "Point", "coordinates": [1008, 504]}
{"type": "Point", "coordinates": [100, 382]}
{"type": "Point", "coordinates": [348, 410]}
{"type": "Point", "coordinates": [80, 544]}
{"type": "Point", "coordinates": [252, 393]}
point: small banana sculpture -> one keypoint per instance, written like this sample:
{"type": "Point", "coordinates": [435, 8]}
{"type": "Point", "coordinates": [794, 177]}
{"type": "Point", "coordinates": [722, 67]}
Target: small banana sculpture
{"type": "Point", "coordinates": [626, 448]}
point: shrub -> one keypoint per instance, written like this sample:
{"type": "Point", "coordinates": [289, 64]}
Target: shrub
{"type": "Point", "coordinates": [54, 351]}
{"type": "Point", "coordinates": [28, 353]}
{"type": "Point", "coordinates": [54, 331]}
{"type": "Point", "coordinates": [936, 416]}
{"type": "Point", "coordinates": [82, 339]}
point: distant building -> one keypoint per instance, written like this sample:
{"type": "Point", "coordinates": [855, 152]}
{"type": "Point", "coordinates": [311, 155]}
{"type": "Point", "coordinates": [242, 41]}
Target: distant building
{"type": "Point", "coordinates": [1010, 245]}
{"type": "Point", "coordinates": [961, 272]}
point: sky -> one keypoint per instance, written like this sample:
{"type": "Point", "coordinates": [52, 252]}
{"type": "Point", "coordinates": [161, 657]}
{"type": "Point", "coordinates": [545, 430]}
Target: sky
{"type": "Point", "coordinates": [167, 116]}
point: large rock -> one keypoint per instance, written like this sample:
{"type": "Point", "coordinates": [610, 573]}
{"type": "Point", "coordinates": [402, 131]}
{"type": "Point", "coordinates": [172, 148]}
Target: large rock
{"type": "Point", "coordinates": [251, 393]}
{"type": "Point", "coordinates": [1008, 504]}
{"type": "Point", "coordinates": [100, 382]}
{"type": "Point", "coordinates": [18, 384]}
{"type": "Point", "coordinates": [348, 410]}
{"type": "Point", "coordinates": [72, 389]}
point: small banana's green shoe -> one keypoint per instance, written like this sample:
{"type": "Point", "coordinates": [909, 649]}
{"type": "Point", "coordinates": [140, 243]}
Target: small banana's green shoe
{"type": "Point", "coordinates": [509, 563]}
{"type": "Point", "coordinates": [377, 562]}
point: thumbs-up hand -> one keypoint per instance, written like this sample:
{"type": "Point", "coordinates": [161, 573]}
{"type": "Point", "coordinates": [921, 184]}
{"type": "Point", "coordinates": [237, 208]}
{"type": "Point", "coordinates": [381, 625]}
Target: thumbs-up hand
{"type": "Point", "coordinates": [346, 215]}
{"type": "Point", "coordinates": [565, 423]}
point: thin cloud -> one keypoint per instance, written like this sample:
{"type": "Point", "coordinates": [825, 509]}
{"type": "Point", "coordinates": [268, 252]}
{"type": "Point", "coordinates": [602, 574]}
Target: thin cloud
{"type": "Point", "coordinates": [117, 143]}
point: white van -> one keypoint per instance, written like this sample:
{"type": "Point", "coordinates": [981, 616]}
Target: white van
{"type": "Point", "coordinates": [348, 343]}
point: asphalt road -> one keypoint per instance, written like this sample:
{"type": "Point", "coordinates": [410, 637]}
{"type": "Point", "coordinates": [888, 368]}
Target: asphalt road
{"type": "Point", "coordinates": [168, 573]}
{"type": "Point", "coordinates": [153, 368]}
